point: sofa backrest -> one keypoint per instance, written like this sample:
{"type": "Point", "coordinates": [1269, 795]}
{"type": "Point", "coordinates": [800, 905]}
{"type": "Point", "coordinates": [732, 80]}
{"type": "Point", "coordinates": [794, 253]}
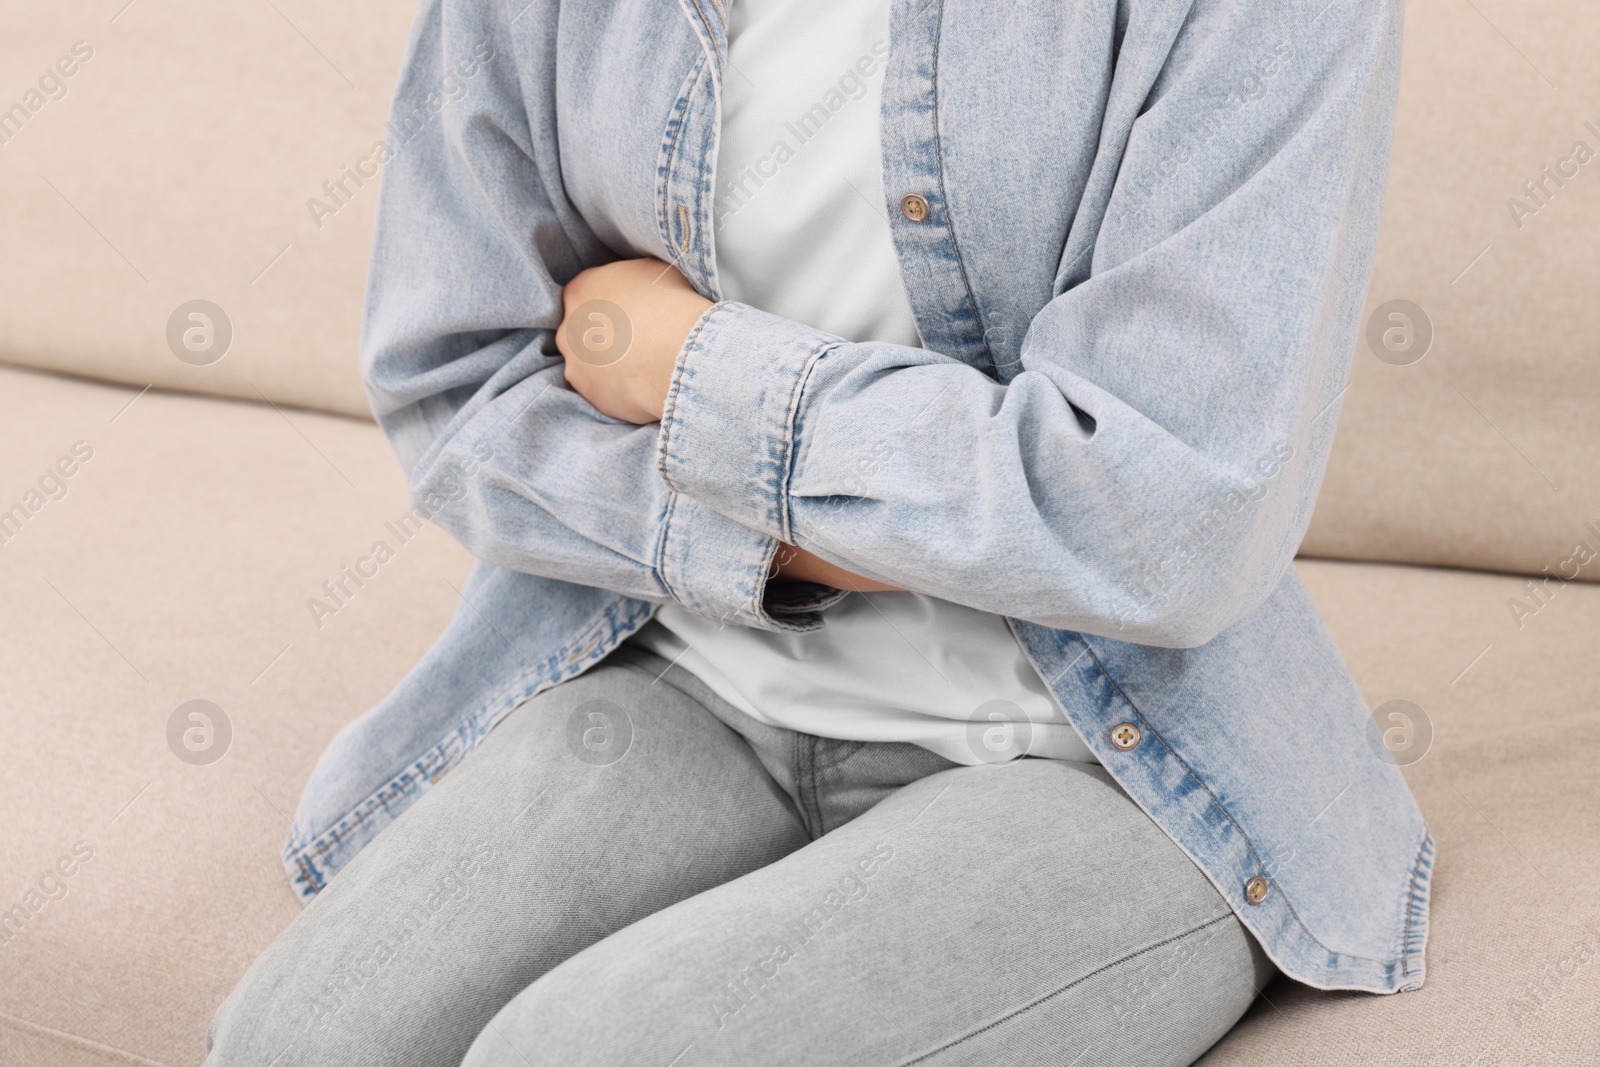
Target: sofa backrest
{"type": "Point", "coordinates": [1485, 451]}
{"type": "Point", "coordinates": [180, 159]}
{"type": "Point", "coordinates": [177, 167]}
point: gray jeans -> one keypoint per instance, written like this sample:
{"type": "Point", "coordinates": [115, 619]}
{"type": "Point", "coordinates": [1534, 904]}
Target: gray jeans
{"type": "Point", "coordinates": [629, 871]}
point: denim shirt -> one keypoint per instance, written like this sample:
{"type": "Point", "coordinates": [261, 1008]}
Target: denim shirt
{"type": "Point", "coordinates": [1137, 263]}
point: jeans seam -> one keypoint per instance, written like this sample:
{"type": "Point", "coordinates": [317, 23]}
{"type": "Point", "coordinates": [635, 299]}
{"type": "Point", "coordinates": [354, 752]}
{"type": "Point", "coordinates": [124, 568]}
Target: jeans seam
{"type": "Point", "coordinates": [843, 752]}
{"type": "Point", "coordinates": [805, 783]}
{"type": "Point", "coordinates": [1069, 986]}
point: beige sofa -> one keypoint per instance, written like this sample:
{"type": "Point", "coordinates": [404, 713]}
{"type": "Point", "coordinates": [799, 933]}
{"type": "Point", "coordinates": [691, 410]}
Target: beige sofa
{"type": "Point", "coordinates": [169, 537]}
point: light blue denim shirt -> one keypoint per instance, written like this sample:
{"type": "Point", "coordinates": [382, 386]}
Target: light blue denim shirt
{"type": "Point", "coordinates": [1148, 233]}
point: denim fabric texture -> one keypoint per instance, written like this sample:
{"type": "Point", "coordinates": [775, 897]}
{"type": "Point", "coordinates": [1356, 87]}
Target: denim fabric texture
{"type": "Point", "coordinates": [706, 890]}
{"type": "Point", "coordinates": [1148, 237]}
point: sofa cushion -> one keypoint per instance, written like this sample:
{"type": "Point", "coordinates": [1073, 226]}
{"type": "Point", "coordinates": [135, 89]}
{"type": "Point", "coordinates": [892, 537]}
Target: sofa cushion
{"type": "Point", "coordinates": [1507, 788]}
{"type": "Point", "coordinates": [176, 567]}
{"type": "Point", "coordinates": [183, 159]}
{"type": "Point", "coordinates": [174, 562]}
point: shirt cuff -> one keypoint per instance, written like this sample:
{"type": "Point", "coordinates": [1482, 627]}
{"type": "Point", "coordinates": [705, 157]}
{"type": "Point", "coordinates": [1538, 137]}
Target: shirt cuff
{"type": "Point", "coordinates": [728, 424]}
{"type": "Point", "coordinates": [717, 568]}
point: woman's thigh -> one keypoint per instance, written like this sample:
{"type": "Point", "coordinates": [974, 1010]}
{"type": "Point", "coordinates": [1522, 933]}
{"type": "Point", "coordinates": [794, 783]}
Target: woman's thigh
{"type": "Point", "coordinates": [559, 830]}
{"type": "Point", "coordinates": [1022, 914]}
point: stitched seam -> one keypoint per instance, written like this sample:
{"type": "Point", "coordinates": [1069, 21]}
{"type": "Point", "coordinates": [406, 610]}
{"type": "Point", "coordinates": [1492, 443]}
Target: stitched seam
{"type": "Point", "coordinates": [298, 848]}
{"type": "Point", "coordinates": [1411, 903]}
{"type": "Point", "coordinates": [843, 752]}
{"type": "Point", "coordinates": [669, 417]}
{"type": "Point", "coordinates": [706, 23]}
{"type": "Point", "coordinates": [806, 783]}
{"type": "Point", "coordinates": [758, 592]}
{"type": "Point", "coordinates": [677, 119]}
{"type": "Point", "coordinates": [378, 798]}
{"type": "Point", "coordinates": [1069, 986]}
{"type": "Point", "coordinates": [661, 548]}
{"type": "Point", "coordinates": [944, 198]}
{"type": "Point", "coordinates": [1411, 906]}
{"type": "Point", "coordinates": [1249, 844]}
{"type": "Point", "coordinates": [790, 428]}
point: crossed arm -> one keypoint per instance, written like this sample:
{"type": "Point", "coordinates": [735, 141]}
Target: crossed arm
{"type": "Point", "coordinates": [1145, 473]}
{"type": "Point", "coordinates": [661, 308]}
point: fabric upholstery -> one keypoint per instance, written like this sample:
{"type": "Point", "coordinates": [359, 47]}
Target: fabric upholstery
{"type": "Point", "coordinates": [177, 167]}
{"type": "Point", "coordinates": [178, 566]}
{"type": "Point", "coordinates": [1485, 452]}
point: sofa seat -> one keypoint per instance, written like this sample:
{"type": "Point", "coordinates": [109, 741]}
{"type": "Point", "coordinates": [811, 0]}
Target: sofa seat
{"type": "Point", "coordinates": [176, 563]}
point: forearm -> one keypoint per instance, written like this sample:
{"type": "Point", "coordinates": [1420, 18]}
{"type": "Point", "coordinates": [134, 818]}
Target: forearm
{"type": "Point", "coordinates": [623, 325]}
{"type": "Point", "coordinates": [795, 564]}
{"type": "Point", "coordinates": [1147, 472]}
{"type": "Point", "coordinates": [460, 364]}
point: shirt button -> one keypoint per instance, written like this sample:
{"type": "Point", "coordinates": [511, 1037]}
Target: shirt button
{"type": "Point", "coordinates": [914, 206]}
{"type": "Point", "coordinates": [1255, 890]}
{"type": "Point", "coordinates": [1125, 736]}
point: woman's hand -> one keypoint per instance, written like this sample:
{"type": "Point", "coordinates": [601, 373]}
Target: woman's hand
{"type": "Point", "coordinates": [621, 330]}
{"type": "Point", "coordinates": [797, 565]}
{"type": "Point", "coordinates": [622, 327]}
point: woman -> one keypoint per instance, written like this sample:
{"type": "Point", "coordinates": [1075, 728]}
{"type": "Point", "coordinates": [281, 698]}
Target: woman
{"type": "Point", "coordinates": [885, 429]}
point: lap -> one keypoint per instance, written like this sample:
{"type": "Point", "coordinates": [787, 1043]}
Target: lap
{"type": "Point", "coordinates": [560, 829]}
{"type": "Point", "coordinates": [1028, 913]}
{"type": "Point", "coordinates": [655, 896]}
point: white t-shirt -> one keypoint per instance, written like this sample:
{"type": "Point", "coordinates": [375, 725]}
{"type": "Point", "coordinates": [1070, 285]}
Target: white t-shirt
{"type": "Point", "coordinates": [801, 231]}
